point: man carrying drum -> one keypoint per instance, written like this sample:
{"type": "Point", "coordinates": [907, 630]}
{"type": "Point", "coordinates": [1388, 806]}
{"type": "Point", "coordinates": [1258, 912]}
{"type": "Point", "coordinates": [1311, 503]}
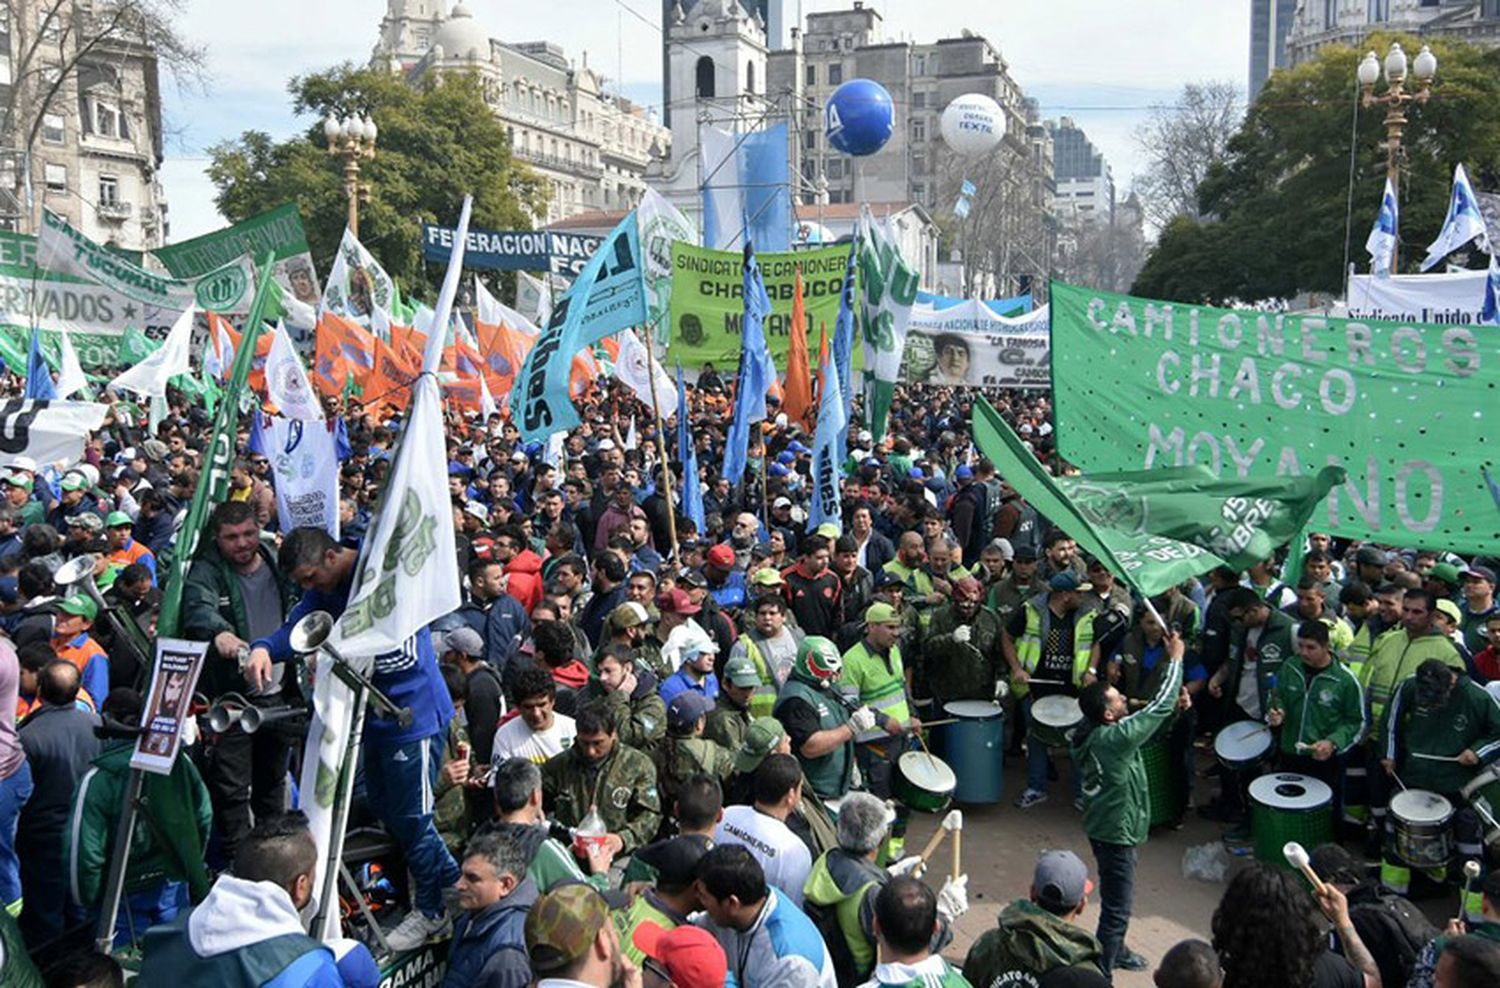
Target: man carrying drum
{"type": "Point", "coordinates": [1438, 731]}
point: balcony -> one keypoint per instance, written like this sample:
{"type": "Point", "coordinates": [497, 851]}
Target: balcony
{"type": "Point", "coordinates": [113, 212]}
{"type": "Point", "coordinates": [571, 166]}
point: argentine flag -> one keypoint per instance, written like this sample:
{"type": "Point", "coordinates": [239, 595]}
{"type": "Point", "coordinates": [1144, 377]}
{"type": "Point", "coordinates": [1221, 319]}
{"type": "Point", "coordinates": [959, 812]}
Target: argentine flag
{"type": "Point", "coordinates": [1463, 223]}
{"type": "Point", "coordinates": [1382, 240]}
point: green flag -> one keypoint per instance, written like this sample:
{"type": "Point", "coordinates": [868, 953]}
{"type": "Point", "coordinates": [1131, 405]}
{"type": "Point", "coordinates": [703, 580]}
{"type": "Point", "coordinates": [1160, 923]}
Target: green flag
{"type": "Point", "coordinates": [136, 346]}
{"type": "Point", "coordinates": [1156, 528]}
{"type": "Point", "coordinates": [213, 481]}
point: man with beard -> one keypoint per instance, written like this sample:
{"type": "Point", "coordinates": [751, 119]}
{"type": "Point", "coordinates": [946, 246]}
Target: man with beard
{"type": "Point", "coordinates": [961, 649]}
{"type": "Point", "coordinates": [814, 594]}
{"type": "Point", "coordinates": [572, 943]}
{"type": "Point", "coordinates": [1061, 555]}
{"type": "Point", "coordinates": [601, 773]}
{"type": "Point", "coordinates": [908, 565]}
{"type": "Point", "coordinates": [626, 691]}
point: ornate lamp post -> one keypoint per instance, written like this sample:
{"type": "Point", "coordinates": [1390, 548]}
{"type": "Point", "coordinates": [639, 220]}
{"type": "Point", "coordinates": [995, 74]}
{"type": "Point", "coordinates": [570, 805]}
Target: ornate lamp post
{"type": "Point", "coordinates": [1395, 100]}
{"type": "Point", "coordinates": [352, 140]}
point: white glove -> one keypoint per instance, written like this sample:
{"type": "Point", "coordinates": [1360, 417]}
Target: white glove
{"type": "Point", "coordinates": [1002, 690]}
{"type": "Point", "coordinates": [953, 897]}
{"type": "Point", "coordinates": [962, 634]}
{"type": "Point", "coordinates": [863, 720]}
{"type": "Point", "coordinates": [906, 866]}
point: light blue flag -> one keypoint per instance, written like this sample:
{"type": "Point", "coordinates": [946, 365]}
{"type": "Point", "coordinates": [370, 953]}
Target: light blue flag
{"type": "Point", "coordinates": [961, 208]}
{"type": "Point", "coordinates": [843, 343]}
{"type": "Point", "coordinates": [828, 450]}
{"type": "Point", "coordinates": [687, 455]}
{"type": "Point", "coordinates": [756, 369]}
{"type": "Point", "coordinates": [1489, 313]}
{"type": "Point", "coordinates": [968, 188]}
{"type": "Point", "coordinates": [39, 385]}
{"type": "Point", "coordinates": [609, 295]}
{"type": "Point", "coordinates": [1381, 242]}
{"type": "Point", "coordinates": [1463, 223]}
{"type": "Point", "coordinates": [745, 188]}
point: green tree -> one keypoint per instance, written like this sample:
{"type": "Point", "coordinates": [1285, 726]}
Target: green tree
{"type": "Point", "coordinates": [1274, 209]}
{"type": "Point", "coordinates": [439, 140]}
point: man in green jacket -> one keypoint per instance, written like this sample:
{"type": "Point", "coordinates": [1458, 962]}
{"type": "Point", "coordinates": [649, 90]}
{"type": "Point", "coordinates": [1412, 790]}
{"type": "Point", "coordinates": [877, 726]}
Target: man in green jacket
{"type": "Point", "coordinates": [1040, 934]}
{"type": "Point", "coordinates": [602, 773]}
{"type": "Point", "coordinates": [1319, 708]}
{"type": "Point", "coordinates": [1116, 808]}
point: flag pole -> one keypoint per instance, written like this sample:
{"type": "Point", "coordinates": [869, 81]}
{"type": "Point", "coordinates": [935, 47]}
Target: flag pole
{"type": "Point", "coordinates": [661, 445]}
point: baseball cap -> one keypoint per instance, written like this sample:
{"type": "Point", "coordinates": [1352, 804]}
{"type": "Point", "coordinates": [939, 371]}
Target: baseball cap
{"type": "Point", "coordinates": [1007, 551]}
{"type": "Point", "coordinates": [782, 502]}
{"type": "Point", "coordinates": [964, 472]}
{"type": "Point", "coordinates": [779, 470]}
{"type": "Point", "coordinates": [686, 709]}
{"type": "Point", "coordinates": [562, 925]}
{"type": "Point", "coordinates": [88, 520]}
{"type": "Point", "coordinates": [1025, 554]}
{"type": "Point", "coordinates": [915, 473]}
{"type": "Point", "coordinates": [1066, 580]}
{"type": "Point", "coordinates": [878, 613]}
{"type": "Point", "coordinates": [79, 606]}
{"type": "Point", "coordinates": [518, 454]}
{"type": "Point", "coordinates": [118, 519]}
{"type": "Point", "coordinates": [1479, 573]}
{"type": "Point", "coordinates": [23, 463]}
{"type": "Point", "coordinates": [1368, 555]}
{"type": "Point", "coordinates": [738, 671]}
{"type": "Point", "coordinates": [675, 601]}
{"type": "Point", "coordinates": [465, 641]}
{"type": "Point", "coordinates": [1060, 881]}
{"type": "Point", "coordinates": [18, 480]}
{"type": "Point", "coordinates": [828, 530]}
{"type": "Point", "coordinates": [1449, 608]}
{"type": "Point", "coordinates": [477, 510]}
{"type": "Point", "coordinates": [9, 590]}
{"type": "Point", "coordinates": [692, 578]}
{"type": "Point", "coordinates": [155, 449]}
{"type": "Point", "coordinates": [786, 456]}
{"type": "Point", "coordinates": [1447, 573]}
{"type": "Point", "coordinates": [761, 738]}
{"type": "Point", "coordinates": [73, 481]}
{"type": "Point", "coordinates": [767, 578]}
{"type": "Point", "coordinates": [605, 445]}
{"type": "Point", "coordinates": [628, 615]}
{"type": "Point", "coordinates": [885, 578]}
{"type": "Point", "coordinates": [721, 556]}
{"type": "Point", "coordinates": [691, 956]}
{"type": "Point", "coordinates": [675, 859]}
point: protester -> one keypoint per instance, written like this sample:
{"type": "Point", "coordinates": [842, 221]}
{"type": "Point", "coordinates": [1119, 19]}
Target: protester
{"type": "Point", "coordinates": [1039, 934]}
{"type": "Point", "coordinates": [494, 893]}
{"type": "Point", "coordinates": [15, 775]}
{"type": "Point", "coordinates": [572, 942]}
{"type": "Point", "coordinates": [600, 773]}
{"type": "Point", "coordinates": [754, 923]}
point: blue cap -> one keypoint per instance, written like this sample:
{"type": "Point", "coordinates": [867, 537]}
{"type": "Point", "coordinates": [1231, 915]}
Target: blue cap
{"type": "Point", "coordinates": [459, 470]}
{"type": "Point", "coordinates": [963, 472]}
{"type": "Point", "coordinates": [779, 470]}
{"type": "Point", "coordinates": [786, 456]}
{"type": "Point", "coordinates": [917, 474]}
{"type": "Point", "coordinates": [871, 462]}
{"type": "Point", "coordinates": [796, 447]}
{"type": "Point", "coordinates": [1066, 580]}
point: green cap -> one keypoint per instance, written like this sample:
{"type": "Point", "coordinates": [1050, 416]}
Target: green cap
{"type": "Point", "coordinates": [741, 671]}
{"type": "Point", "coordinates": [79, 606]}
{"type": "Point", "coordinates": [73, 482]}
{"type": "Point", "coordinates": [828, 530]}
{"type": "Point", "coordinates": [117, 519]}
{"type": "Point", "coordinates": [1448, 573]}
{"type": "Point", "coordinates": [761, 738]}
{"type": "Point", "coordinates": [561, 927]}
{"type": "Point", "coordinates": [878, 613]}
{"type": "Point", "coordinates": [767, 578]}
{"type": "Point", "coordinates": [18, 480]}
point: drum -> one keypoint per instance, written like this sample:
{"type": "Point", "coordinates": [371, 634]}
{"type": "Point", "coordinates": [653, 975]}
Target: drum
{"type": "Point", "coordinates": [1165, 792]}
{"type": "Point", "coordinates": [1420, 835]}
{"type": "Point", "coordinates": [1286, 806]}
{"type": "Point", "coordinates": [1483, 794]}
{"type": "Point", "coordinates": [1243, 745]}
{"type": "Point", "coordinates": [973, 747]}
{"type": "Point", "coordinates": [923, 782]}
{"type": "Point", "coordinates": [1053, 719]}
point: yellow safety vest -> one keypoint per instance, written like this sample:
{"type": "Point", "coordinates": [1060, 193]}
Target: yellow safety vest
{"type": "Point", "coordinates": [763, 699]}
{"type": "Point", "coordinates": [1039, 618]}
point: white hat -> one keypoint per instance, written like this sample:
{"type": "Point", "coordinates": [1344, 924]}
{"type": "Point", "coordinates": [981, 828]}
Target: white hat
{"type": "Point", "coordinates": [781, 420]}
{"type": "Point", "coordinates": [782, 502]}
{"type": "Point", "coordinates": [606, 445]}
{"type": "Point", "coordinates": [478, 511]}
{"type": "Point", "coordinates": [23, 463]}
{"type": "Point", "coordinates": [865, 437]}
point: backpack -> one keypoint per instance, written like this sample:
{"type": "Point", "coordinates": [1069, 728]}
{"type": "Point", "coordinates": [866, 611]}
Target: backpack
{"type": "Point", "coordinates": [1394, 930]}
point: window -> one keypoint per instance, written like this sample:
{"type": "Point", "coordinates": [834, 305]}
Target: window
{"type": "Point", "coordinates": [1380, 11]}
{"type": "Point", "coordinates": [811, 76]}
{"type": "Point", "coordinates": [109, 190]}
{"type": "Point", "coordinates": [919, 101]}
{"type": "Point", "coordinates": [919, 162]}
{"type": "Point", "coordinates": [918, 131]}
{"type": "Point", "coordinates": [56, 177]}
{"type": "Point", "coordinates": [835, 74]}
{"type": "Point", "coordinates": [919, 192]}
{"type": "Point", "coordinates": [705, 78]}
{"type": "Point", "coordinates": [5, 77]}
{"type": "Point", "coordinates": [1330, 13]}
{"type": "Point", "coordinates": [919, 65]}
{"type": "Point", "coordinates": [53, 130]}
{"type": "Point", "coordinates": [106, 119]}
{"type": "Point", "coordinates": [834, 168]}
{"type": "Point", "coordinates": [809, 139]}
{"type": "Point", "coordinates": [750, 78]}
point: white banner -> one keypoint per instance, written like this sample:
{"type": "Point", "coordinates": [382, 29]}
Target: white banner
{"type": "Point", "coordinates": [168, 702]}
{"type": "Point", "coordinates": [304, 458]}
{"type": "Point", "coordinates": [47, 431]}
{"type": "Point", "coordinates": [631, 367]}
{"type": "Point", "coordinates": [357, 284]}
{"type": "Point", "coordinates": [1451, 299]}
{"type": "Point", "coordinates": [968, 344]}
{"type": "Point", "coordinates": [286, 381]}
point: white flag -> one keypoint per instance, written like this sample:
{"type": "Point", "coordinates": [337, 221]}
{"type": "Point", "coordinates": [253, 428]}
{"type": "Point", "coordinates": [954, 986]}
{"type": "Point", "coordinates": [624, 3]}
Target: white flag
{"type": "Point", "coordinates": [47, 431]}
{"type": "Point", "coordinates": [487, 406]}
{"type": "Point", "coordinates": [71, 378]}
{"type": "Point", "coordinates": [1463, 223]}
{"type": "Point", "coordinates": [304, 460]}
{"type": "Point", "coordinates": [286, 380]}
{"type": "Point", "coordinates": [357, 285]}
{"type": "Point", "coordinates": [635, 367]}
{"type": "Point", "coordinates": [150, 376]}
{"type": "Point", "coordinates": [630, 440]}
{"type": "Point", "coordinates": [1381, 243]}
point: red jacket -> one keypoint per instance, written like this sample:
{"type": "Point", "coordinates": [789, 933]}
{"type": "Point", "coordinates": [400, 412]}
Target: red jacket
{"type": "Point", "coordinates": [1487, 663]}
{"type": "Point", "coordinates": [524, 578]}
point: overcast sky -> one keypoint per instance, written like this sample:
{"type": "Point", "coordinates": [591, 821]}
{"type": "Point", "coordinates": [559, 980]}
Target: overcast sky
{"type": "Point", "coordinates": [1102, 62]}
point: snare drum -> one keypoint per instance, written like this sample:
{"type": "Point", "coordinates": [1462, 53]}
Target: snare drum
{"type": "Point", "coordinates": [1287, 806]}
{"type": "Point", "coordinates": [973, 748]}
{"type": "Point", "coordinates": [1483, 794]}
{"type": "Point", "coordinates": [1164, 782]}
{"type": "Point", "coordinates": [1243, 745]}
{"type": "Point", "coordinates": [1053, 719]}
{"type": "Point", "coordinates": [1421, 836]}
{"type": "Point", "coordinates": [923, 782]}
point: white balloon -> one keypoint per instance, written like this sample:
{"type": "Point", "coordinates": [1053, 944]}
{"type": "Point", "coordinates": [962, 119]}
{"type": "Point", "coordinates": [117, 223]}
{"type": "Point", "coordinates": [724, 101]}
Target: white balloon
{"type": "Point", "coordinates": [973, 124]}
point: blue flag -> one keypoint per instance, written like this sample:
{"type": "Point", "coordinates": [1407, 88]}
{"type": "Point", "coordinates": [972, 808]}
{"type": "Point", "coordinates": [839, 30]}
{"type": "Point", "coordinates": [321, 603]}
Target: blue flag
{"type": "Point", "coordinates": [39, 385]}
{"type": "Point", "coordinates": [1381, 243]}
{"type": "Point", "coordinates": [756, 370]}
{"type": "Point", "coordinates": [1463, 223]}
{"type": "Point", "coordinates": [687, 455]}
{"type": "Point", "coordinates": [1489, 313]}
{"type": "Point", "coordinates": [827, 452]}
{"type": "Point", "coordinates": [843, 344]}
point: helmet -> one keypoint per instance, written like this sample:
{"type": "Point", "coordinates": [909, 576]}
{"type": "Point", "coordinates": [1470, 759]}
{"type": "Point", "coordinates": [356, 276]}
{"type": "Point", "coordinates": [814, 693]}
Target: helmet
{"type": "Point", "coordinates": [818, 658]}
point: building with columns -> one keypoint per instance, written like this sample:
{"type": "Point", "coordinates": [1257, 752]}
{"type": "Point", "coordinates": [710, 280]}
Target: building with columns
{"type": "Point", "coordinates": [1318, 23]}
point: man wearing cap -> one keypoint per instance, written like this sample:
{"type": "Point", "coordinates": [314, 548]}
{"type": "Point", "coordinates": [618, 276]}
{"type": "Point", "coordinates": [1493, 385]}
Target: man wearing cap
{"type": "Point", "coordinates": [1018, 586]}
{"type": "Point", "coordinates": [123, 549]}
{"type": "Point", "coordinates": [873, 669]}
{"type": "Point", "coordinates": [84, 534]}
{"type": "Point", "coordinates": [763, 828]}
{"type": "Point", "coordinates": [685, 957]}
{"type": "Point", "coordinates": [667, 903]}
{"type": "Point", "coordinates": [1478, 605]}
{"type": "Point", "coordinates": [627, 692]}
{"type": "Point", "coordinates": [686, 752]}
{"type": "Point", "coordinates": [488, 949]}
{"type": "Point", "coordinates": [772, 647]}
{"type": "Point", "coordinates": [677, 627]}
{"type": "Point", "coordinates": [1039, 934]}
{"type": "Point", "coordinates": [822, 729]}
{"type": "Point", "coordinates": [813, 592]}
{"type": "Point", "coordinates": [782, 521]}
{"type": "Point", "coordinates": [75, 499]}
{"type": "Point", "coordinates": [970, 521]}
{"type": "Point", "coordinates": [29, 511]}
{"type": "Point", "coordinates": [517, 787]}
{"type": "Point", "coordinates": [629, 627]}
{"type": "Point", "coordinates": [601, 772]}
{"type": "Point", "coordinates": [1369, 566]}
{"type": "Point", "coordinates": [731, 716]}
{"type": "Point", "coordinates": [726, 583]}
{"type": "Point", "coordinates": [691, 646]}
{"type": "Point", "coordinates": [72, 642]}
{"type": "Point", "coordinates": [572, 942]}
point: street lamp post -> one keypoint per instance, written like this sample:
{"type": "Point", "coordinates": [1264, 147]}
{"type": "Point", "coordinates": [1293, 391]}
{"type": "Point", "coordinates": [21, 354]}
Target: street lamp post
{"type": "Point", "coordinates": [351, 140]}
{"type": "Point", "coordinates": [1395, 100]}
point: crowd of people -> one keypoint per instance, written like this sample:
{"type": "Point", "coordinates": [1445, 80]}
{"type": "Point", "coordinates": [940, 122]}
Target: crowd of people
{"type": "Point", "coordinates": [649, 750]}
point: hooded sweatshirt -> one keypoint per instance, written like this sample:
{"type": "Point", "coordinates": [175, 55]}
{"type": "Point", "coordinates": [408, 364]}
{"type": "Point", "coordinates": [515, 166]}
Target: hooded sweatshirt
{"type": "Point", "coordinates": [524, 578]}
{"type": "Point", "coordinates": [1028, 940]}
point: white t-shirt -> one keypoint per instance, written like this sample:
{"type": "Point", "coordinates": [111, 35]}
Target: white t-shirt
{"type": "Point", "coordinates": [786, 860]}
{"type": "Point", "coordinates": [515, 739]}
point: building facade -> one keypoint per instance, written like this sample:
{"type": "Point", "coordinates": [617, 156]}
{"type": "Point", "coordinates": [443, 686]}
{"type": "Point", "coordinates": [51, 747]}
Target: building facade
{"type": "Point", "coordinates": [592, 147]}
{"type": "Point", "coordinates": [1319, 23]}
{"type": "Point", "coordinates": [1270, 22]}
{"type": "Point", "coordinates": [85, 144]}
{"type": "Point", "coordinates": [1085, 183]}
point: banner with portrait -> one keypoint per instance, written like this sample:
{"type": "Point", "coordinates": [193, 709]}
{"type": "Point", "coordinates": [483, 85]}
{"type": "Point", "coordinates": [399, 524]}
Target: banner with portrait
{"type": "Point", "coordinates": [168, 704]}
{"type": "Point", "coordinates": [969, 345]}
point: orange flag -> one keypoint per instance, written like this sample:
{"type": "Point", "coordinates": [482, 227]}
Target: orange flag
{"type": "Point", "coordinates": [343, 348]}
{"type": "Point", "coordinates": [219, 326]}
{"type": "Point", "coordinates": [798, 403]}
{"type": "Point", "coordinates": [822, 362]}
{"type": "Point", "coordinates": [390, 380]}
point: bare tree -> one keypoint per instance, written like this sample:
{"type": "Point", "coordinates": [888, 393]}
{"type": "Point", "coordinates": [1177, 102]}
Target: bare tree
{"type": "Point", "coordinates": [1180, 142]}
{"type": "Point", "coordinates": [1007, 238]}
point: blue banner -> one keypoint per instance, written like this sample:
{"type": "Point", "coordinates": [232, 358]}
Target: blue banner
{"type": "Point", "coordinates": [513, 250]}
{"type": "Point", "coordinates": [1005, 308]}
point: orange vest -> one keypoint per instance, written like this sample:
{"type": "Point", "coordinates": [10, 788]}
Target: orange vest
{"type": "Point", "coordinates": [132, 553]}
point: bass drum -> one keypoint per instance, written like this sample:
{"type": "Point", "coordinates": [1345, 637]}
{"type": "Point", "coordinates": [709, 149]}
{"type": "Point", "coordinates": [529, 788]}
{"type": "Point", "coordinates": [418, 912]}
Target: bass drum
{"type": "Point", "coordinates": [973, 748]}
{"type": "Point", "coordinates": [1054, 718]}
{"type": "Point", "coordinates": [1287, 806]}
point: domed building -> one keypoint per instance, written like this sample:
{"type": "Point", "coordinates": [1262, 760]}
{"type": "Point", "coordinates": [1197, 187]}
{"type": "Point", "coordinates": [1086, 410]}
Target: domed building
{"type": "Point", "coordinates": [593, 147]}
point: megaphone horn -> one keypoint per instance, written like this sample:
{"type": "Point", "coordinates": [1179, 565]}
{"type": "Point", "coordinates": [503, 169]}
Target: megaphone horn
{"type": "Point", "coordinates": [309, 634]}
{"type": "Point", "coordinates": [75, 569]}
{"type": "Point", "coordinates": [223, 716]}
{"type": "Point", "coordinates": [254, 718]}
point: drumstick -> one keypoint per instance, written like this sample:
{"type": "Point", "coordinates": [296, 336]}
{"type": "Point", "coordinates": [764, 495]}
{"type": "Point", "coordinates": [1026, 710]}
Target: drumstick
{"type": "Point", "coordinates": [955, 821]}
{"type": "Point", "coordinates": [1435, 758]}
{"type": "Point", "coordinates": [1049, 682]}
{"type": "Point", "coordinates": [929, 851]}
{"type": "Point", "coordinates": [1471, 872]}
{"type": "Point", "coordinates": [935, 723]}
{"type": "Point", "coordinates": [1296, 856]}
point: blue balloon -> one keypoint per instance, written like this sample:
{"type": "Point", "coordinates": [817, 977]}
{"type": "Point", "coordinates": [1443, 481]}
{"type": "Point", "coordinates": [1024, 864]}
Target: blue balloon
{"type": "Point", "coordinates": [858, 117]}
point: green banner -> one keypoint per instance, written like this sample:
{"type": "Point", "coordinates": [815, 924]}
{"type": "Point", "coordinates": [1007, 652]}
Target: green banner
{"type": "Point", "coordinates": [1404, 408]}
{"type": "Point", "coordinates": [707, 306]}
{"type": "Point", "coordinates": [278, 230]}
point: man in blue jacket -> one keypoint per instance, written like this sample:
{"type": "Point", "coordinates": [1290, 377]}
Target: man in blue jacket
{"type": "Point", "coordinates": [401, 764]}
{"type": "Point", "coordinates": [489, 939]}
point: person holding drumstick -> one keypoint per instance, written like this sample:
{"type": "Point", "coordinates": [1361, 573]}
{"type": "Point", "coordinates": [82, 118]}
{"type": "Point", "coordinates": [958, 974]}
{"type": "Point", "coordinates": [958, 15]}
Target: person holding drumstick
{"type": "Point", "coordinates": [1116, 811]}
